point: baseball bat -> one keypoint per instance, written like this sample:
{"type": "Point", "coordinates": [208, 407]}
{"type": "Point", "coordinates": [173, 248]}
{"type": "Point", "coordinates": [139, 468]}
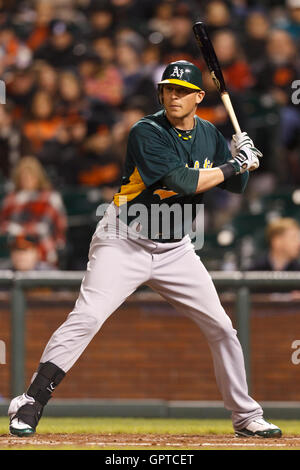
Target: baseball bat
{"type": "Point", "coordinates": [209, 55]}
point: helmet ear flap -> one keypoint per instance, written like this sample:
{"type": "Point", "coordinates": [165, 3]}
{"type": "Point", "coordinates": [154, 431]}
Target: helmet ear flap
{"type": "Point", "coordinates": [160, 94]}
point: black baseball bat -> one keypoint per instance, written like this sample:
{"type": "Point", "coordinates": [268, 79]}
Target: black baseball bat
{"type": "Point", "coordinates": [209, 55]}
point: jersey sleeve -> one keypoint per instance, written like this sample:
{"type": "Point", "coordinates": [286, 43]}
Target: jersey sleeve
{"type": "Point", "coordinates": [152, 153]}
{"type": "Point", "coordinates": [223, 153]}
{"type": "Point", "coordinates": [182, 180]}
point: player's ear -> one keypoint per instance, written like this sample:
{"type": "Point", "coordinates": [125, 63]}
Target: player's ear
{"type": "Point", "coordinates": [200, 96]}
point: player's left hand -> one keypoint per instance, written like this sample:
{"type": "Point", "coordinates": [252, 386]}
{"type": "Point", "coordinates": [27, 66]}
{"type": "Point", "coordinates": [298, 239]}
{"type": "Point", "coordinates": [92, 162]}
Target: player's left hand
{"type": "Point", "coordinates": [246, 159]}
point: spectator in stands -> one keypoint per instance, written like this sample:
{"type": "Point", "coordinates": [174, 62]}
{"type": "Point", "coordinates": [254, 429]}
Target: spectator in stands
{"type": "Point", "coordinates": [293, 25]}
{"type": "Point", "coordinates": [132, 13]}
{"type": "Point", "coordinates": [283, 238]}
{"type": "Point", "coordinates": [71, 96]}
{"type": "Point", "coordinates": [12, 142]}
{"type": "Point", "coordinates": [136, 82]}
{"type": "Point", "coordinates": [274, 76]}
{"type": "Point", "coordinates": [42, 123]}
{"type": "Point", "coordinates": [104, 47]}
{"type": "Point", "coordinates": [41, 28]}
{"type": "Point", "coordinates": [101, 19]}
{"type": "Point", "coordinates": [101, 81]}
{"type": "Point", "coordinates": [236, 71]}
{"type": "Point", "coordinates": [60, 155]}
{"type": "Point", "coordinates": [276, 72]}
{"type": "Point", "coordinates": [98, 166]}
{"type": "Point", "coordinates": [132, 111]}
{"type": "Point", "coordinates": [181, 43]}
{"type": "Point", "coordinates": [61, 49]}
{"type": "Point", "coordinates": [34, 209]}
{"type": "Point", "coordinates": [161, 22]}
{"type": "Point", "coordinates": [152, 61]}
{"type": "Point", "coordinates": [217, 16]}
{"type": "Point", "coordinates": [213, 109]}
{"type": "Point", "coordinates": [46, 78]}
{"type": "Point", "coordinates": [7, 8]}
{"type": "Point", "coordinates": [20, 88]}
{"type": "Point", "coordinates": [257, 27]}
{"type": "Point", "coordinates": [12, 51]}
{"type": "Point", "coordinates": [25, 255]}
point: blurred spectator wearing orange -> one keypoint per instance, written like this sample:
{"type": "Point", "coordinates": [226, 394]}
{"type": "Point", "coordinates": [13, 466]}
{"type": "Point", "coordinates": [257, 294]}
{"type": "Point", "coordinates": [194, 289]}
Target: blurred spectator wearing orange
{"type": "Point", "coordinates": [25, 255]}
{"type": "Point", "coordinates": [41, 27]}
{"type": "Point", "coordinates": [34, 209]}
{"type": "Point", "coordinates": [43, 122]}
{"type": "Point", "coordinates": [98, 166]}
{"type": "Point", "coordinates": [60, 155]}
{"type": "Point", "coordinates": [237, 73]}
{"type": "Point", "coordinates": [276, 72]}
{"type": "Point", "coordinates": [213, 109]}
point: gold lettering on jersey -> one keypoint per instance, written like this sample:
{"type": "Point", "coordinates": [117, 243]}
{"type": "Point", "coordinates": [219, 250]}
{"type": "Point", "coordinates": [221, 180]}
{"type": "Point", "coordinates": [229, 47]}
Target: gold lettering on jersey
{"type": "Point", "coordinates": [164, 193]}
{"type": "Point", "coordinates": [207, 163]}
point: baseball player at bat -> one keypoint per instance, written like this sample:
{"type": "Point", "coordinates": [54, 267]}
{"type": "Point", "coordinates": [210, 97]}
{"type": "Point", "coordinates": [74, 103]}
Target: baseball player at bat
{"type": "Point", "coordinates": [173, 157]}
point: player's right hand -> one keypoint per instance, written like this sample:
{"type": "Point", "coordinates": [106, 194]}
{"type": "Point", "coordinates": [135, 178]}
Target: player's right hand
{"type": "Point", "coordinates": [246, 159]}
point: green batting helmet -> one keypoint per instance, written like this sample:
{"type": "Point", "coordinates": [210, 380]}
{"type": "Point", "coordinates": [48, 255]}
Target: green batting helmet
{"type": "Point", "coordinates": [182, 73]}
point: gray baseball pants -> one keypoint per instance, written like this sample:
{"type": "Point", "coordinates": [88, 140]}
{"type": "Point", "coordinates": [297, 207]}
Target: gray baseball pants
{"type": "Point", "coordinates": [116, 268]}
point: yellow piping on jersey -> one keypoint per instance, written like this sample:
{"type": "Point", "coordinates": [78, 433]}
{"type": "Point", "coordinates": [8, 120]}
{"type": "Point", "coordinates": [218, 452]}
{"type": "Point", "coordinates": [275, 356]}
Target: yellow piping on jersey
{"type": "Point", "coordinates": [130, 190]}
{"type": "Point", "coordinates": [164, 193]}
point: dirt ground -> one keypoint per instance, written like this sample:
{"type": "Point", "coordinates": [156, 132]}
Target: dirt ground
{"type": "Point", "coordinates": [147, 441]}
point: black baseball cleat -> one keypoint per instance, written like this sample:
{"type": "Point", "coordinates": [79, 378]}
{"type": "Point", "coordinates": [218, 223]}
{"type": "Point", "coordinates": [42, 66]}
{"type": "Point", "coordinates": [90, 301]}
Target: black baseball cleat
{"type": "Point", "coordinates": [259, 428]}
{"type": "Point", "coordinates": [24, 413]}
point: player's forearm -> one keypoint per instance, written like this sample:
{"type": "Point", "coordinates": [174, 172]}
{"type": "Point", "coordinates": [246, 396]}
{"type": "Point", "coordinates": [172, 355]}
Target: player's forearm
{"type": "Point", "coordinates": [236, 184]}
{"type": "Point", "coordinates": [185, 180]}
{"type": "Point", "coordinates": [212, 177]}
{"type": "Point", "coordinates": [209, 178]}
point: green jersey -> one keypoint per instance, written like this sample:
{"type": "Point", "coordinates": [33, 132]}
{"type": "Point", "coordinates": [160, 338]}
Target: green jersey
{"type": "Point", "coordinates": [155, 148]}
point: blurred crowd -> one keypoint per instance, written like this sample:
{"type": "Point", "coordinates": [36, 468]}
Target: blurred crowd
{"type": "Point", "coordinates": [80, 73]}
